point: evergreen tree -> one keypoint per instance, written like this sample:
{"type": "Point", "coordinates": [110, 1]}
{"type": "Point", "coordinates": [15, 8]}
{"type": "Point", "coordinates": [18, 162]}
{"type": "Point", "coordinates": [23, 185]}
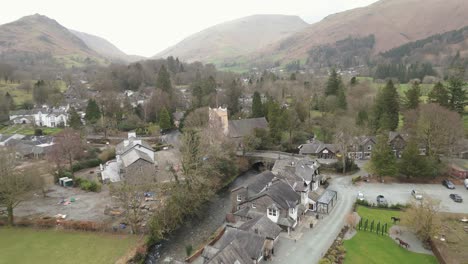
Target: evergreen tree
{"type": "Point", "coordinates": [353, 81]}
{"type": "Point", "coordinates": [457, 94]}
{"type": "Point", "coordinates": [40, 92]}
{"type": "Point", "coordinates": [74, 120]}
{"type": "Point", "coordinates": [383, 160]}
{"type": "Point", "coordinates": [362, 118]}
{"type": "Point", "coordinates": [333, 84]}
{"type": "Point", "coordinates": [342, 98]}
{"type": "Point", "coordinates": [164, 119]}
{"type": "Point", "coordinates": [234, 92]}
{"type": "Point", "coordinates": [257, 107]}
{"type": "Point", "coordinates": [9, 101]}
{"type": "Point", "coordinates": [412, 164]}
{"type": "Point", "coordinates": [93, 113]}
{"type": "Point", "coordinates": [292, 77]}
{"type": "Point", "coordinates": [4, 109]}
{"type": "Point", "coordinates": [412, 96]}
{"type": "Point", "coordinates": [386, 108]}
{"type": "Point", "coordinates": [439, 94]}
{"type": "Point", "coordinates": [163, 80]}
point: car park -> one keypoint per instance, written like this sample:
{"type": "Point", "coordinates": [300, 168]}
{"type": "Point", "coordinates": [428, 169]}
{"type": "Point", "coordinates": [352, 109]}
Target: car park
{"type": "Point", "coordinates": [448, 183]}
{"type": "Point", "coordinates": [416, 194]}
{"type": "Point", "coordinates": [456, 198]}
{"type": "Point", "coordinates": [381, 200]}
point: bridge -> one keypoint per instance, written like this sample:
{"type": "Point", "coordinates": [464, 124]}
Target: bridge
{"type": "Point", "coordinates": [267, 157]}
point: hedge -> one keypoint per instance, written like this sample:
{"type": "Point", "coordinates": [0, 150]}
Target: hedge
{"type": "Point", "coordinates": [86, 164]}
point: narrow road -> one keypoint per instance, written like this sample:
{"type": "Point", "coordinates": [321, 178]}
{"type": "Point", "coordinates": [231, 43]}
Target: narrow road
{"type": "Point", "coordinates": [315, 242]}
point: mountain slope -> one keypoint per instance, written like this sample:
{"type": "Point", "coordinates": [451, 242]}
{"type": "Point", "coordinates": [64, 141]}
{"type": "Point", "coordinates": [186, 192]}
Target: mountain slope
{"type": "Point", "coordinates": [235, 38]}
{"type": "Point", "coordinates": [104, 47]}
{"type": "Point", "coordinates": [392, 22]}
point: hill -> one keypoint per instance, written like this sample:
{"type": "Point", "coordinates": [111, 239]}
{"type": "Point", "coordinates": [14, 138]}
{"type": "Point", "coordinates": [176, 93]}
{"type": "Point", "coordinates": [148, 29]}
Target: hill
{"type": "Point", "coordinates": [104, 47]}
{"type": "Point", "coordinates": [39, 35]}
{"type": "Point", "coordinates": [227, 41]}
{"type": "Point", "coordinates": [392, 23]}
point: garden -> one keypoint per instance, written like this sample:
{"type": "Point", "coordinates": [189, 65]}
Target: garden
{"type": "Point", "coordinates": [368, 246]}
{"type": "Point", "coordinates": [26, 245]}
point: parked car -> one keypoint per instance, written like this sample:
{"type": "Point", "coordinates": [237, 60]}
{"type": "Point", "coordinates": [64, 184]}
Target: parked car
{"type": "Point", "coordinates": [360, 196]}
{"type": "Point", "coordinates": [381, 200]}
{"type": "Point", "coordinates": [456, 198]}
{"type": "Point", "coordinates": [448, 183]}
{"type": "Point", "coordinates": [416, 194]}
{"type": "Point", "coordinates": [466, 183]}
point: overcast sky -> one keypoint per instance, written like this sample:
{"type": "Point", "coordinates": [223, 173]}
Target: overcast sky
{"type": "Point", "coordinates": [145, 27]}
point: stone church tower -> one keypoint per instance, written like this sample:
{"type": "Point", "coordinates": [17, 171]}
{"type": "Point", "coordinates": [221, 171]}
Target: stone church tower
{"type": "Point", "coordinates": [218, 118]}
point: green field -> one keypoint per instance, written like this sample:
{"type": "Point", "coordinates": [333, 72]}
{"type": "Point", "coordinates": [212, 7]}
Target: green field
{"type": "Point", "coordinates": [23, 245]}
{"type": "Point", "coordinates": [28, 130]}
{"type": "Point", "coordinates": [367, 247]}
{"type": "Point", "coordinates": [20, 96]}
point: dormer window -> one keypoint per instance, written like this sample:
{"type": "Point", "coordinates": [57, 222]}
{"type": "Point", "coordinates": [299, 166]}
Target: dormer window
{"type": "Point", "coordinates": [272, 212]}
{"type": "Point", "coordinates": [369, 147]}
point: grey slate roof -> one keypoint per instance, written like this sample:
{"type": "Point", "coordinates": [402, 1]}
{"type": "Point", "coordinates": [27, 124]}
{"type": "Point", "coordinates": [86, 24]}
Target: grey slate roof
{"type": "Point", "coordinates": [282, 194]}
{"type": "Point", "coordinates": [233, 253]}
{"type": "Point", "coordinates": [121, 148]}
{"type": "Point", "coordinates": [133, 155]}
{"type": "Point", "coordinates": [244, 127]}
{"type": "Point", "coordinates": [327, 196]}
{"type": "Point", "coordinates": [315, 147]}
{"type": "Point", "coordinates": [262, 226]}
{"type": "Point", "coordinates": [258, 183]}
{"type": "Point", "coordinates": [251, 243]}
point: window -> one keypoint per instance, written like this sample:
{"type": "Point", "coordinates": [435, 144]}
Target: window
{"type": "Point", "coordinates": [369, 147]}
{"type": "Point", "coordinates": [272, 212]}
{"type": "Point", "coordinates": [292, 210]}
{"type": "Point", "coordinates": [253, 205]}
{"type": "Point", "coordinates": [239, 198]}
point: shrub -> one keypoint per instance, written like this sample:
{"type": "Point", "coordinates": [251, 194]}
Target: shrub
{"type": "Point", "coordinates": [188, 250]}
{"type": "Point", "coordinates": [86, 164]}
{"type": "Point", "coordinates": [356, 179]}
{"type": "Point", "coordinates": [107, 155]}
{"type": "Point", "coordinates": [38, 132]}
{"type": "Point", "coordinates": [398, 206]}
{"type": "Point", "coordinates": [87, 185]}
{"type": "Point", "coordinates": [331, 258]}
{"type": "Point", "coordinates": [324, 261]}
{"type": "Point", "coordinates": [364, 203]}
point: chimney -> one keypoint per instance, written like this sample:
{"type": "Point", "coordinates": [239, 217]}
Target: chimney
{"type": "Point", "coordinates": [125, 143]}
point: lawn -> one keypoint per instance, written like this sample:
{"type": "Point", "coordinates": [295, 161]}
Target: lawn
{"type": "Point", "coordinates": [24, 245]}
{"type": "Point", "coordinates": [368, 247]}
{"type": "Point", "coordinates": [29, 130]}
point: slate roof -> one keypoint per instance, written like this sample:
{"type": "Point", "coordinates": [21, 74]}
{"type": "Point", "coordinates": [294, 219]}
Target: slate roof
{"type": "Point", "coordinates": [244, 127]}
{"type": "Point", "coordinates": [326, 197]}
{"type": "Point", "coordinates": [121, 148]}
{"type": "Point", "coordinates": [262, 226]}
{"type": "Point", "coordinates": [258, 183]}
{"type": "Point", "coordinates": [282, 194]}
{"type": "Point", "coordinates": [133, 155]}
{"type": "Point", "coordinates": [315, 147]}
{"type": "Point", "coordinates": [233, 253]}
{"type": "Point", "coordinates": [251, 243]}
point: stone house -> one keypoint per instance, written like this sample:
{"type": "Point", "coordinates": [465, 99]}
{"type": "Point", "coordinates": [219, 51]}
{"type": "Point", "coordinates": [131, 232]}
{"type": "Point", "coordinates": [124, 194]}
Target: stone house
{"type": "Point", "coordinates": [43, 117]}
{"type": "Point", "coordinates": [319, 150]}
{"type": "Point", "coordinates": [362, 147]}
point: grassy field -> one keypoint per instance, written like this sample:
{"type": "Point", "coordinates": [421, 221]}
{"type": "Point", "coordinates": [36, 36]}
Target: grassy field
{"type": "Point", "coordinates": [20, 96]}
{"type": "Point", "coordinates": [368, 247]}
{"type": "Point", "coordinates": [28, 130]}
{"type": "Point", "coordinates": [23, 245]}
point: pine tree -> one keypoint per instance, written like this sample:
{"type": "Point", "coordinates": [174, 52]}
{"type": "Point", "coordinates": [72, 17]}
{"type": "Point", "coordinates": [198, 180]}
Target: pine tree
{"type": "Point", "coordinates": [163, 80]}
{"type": "Point", "coordinates": [234, 92]}
{"type": "Point", "coordinates": [386, 109]}
{"type": "Point", "coordinates": [93, 113]}
{"type": "Point", "coordinates": [412, 164]}
{"type": "Point", "coordinates": [439, 94]}
{"type": "Point", "coordinates": [257, 107]}
{"type": "Point", "coordinates": [9, 101]}
{"type": "Point", "coordinates": [383, 160]}
{"type": "Point", "coordinates": [412, 96]}
{"type": "Point", "coordinates": [164, 119]}
{"type": "Point", "coordinates": [333, 84]}
{"type": "Point", "coordinates": [457, 94]}
{"type": "Point", "coordinates": [342, 98]}
{"type": "Point", "coordinates": [74, 120]}
{"type": "Point", "coordinates": [353, 81]}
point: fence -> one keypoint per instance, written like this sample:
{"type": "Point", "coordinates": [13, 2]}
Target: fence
{"type": "Point", "coordinates": [379, 228]}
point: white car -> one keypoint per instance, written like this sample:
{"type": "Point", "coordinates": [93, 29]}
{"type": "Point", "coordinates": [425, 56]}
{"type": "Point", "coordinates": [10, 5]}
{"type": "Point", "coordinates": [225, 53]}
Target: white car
{"type": "Point", "coordinates": [360, 196]}
{"type": "Point", "coordinates": [465, 182]}
{"type": "Point", "coordinates": [416, 194]}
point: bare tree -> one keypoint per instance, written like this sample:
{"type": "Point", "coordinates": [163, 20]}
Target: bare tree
{"type": "Point", "coordinates": [423, 217]}
{"type": "Point", "coordinates": [68, 147]}
{"type": "Point", "coordinates": [14, 183]}
{"type": "Point", "coordinates": [344, 136]}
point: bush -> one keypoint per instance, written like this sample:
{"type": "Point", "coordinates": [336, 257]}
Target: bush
{"type": "Point", "coordinates": [38, 132]}
{"type": "Point", "coordinates": [188, 250]}
{"type": "Point", "coordinates": [398, 206]}
{"type": "Point", "coordinates": [86, 164]}
{"type": "Point", "coordinates": [86, 185]}
{"type": "Point", "coordinates": [356, 179]}
{"type": "Point", "coordinates": [364, 203]}
{"type": "Point", "coordinates": [107, 155]}
{"type": "Point", "coordinates": [350, 165]}
{"type": "Point", "coordinates": [324, 261]}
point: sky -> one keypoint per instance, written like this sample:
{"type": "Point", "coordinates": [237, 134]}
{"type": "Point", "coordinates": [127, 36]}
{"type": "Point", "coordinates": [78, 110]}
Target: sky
{"type": "Point", "coordinates": [146, 27]}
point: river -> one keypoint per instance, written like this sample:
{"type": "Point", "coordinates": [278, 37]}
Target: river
{"type": "Point", "coordinates": [198, 230]}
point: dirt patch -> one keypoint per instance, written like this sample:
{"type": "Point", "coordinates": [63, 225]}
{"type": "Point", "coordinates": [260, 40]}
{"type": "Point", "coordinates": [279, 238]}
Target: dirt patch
{"type": "Point", "coordinates": [453, 240]}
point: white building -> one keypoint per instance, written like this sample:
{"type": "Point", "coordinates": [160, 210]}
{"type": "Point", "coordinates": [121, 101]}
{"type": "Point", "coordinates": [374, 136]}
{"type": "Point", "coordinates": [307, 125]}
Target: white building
{"type": "Point", "coordinates": [43, 117]}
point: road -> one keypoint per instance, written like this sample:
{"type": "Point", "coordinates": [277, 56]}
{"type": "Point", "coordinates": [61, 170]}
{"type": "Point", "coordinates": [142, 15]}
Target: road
{"type": "Point", "coordinates": [315, 242]}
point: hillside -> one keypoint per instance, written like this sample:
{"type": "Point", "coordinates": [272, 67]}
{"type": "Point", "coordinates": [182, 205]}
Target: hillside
{"type": "Point", "coordinates": [227, 41]}
{"type": "Point", "coordinates": [392, 23]}
{"type": "Point", "coordinates": [104, 47]}
{"type": "Point", "coordinates": [38, 35]}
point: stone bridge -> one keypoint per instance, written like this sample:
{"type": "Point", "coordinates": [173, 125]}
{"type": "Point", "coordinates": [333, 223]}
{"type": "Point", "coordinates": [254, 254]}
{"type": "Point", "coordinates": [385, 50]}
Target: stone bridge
{"type": "Point", "coordinates": [266, 158]}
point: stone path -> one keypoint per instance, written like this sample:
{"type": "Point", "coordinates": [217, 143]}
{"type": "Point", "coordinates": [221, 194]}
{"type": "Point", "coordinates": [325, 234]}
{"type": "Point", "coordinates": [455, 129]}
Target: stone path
{"type": "Point", "coordinates": [404, 234]}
